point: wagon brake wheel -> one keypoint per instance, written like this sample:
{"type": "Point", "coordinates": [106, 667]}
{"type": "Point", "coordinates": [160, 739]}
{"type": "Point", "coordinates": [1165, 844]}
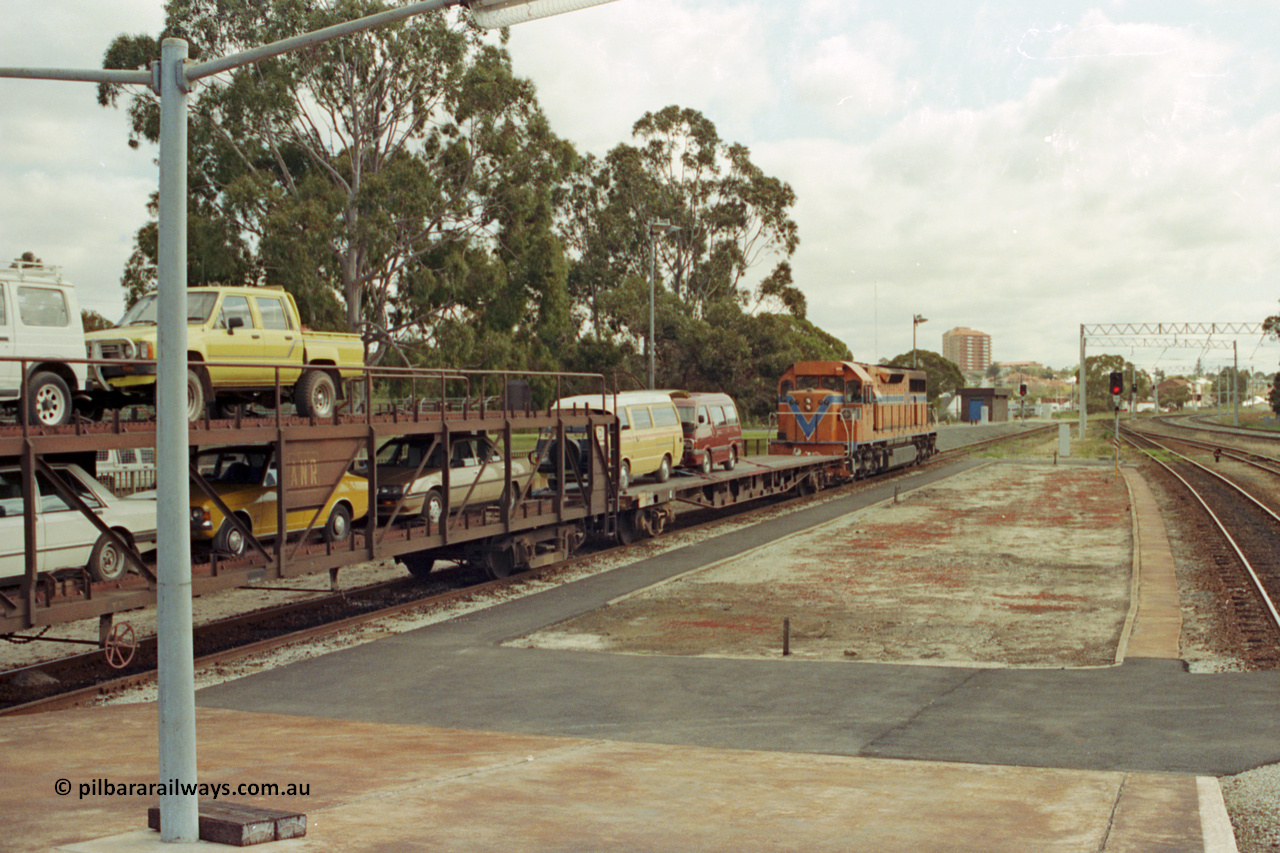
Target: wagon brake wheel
{"type": "Point", "coordinates": [120, 646]}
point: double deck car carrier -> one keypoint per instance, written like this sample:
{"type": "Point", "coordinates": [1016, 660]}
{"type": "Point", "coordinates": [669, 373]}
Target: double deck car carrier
{"type": "Point", "coordinates": [551, 501]}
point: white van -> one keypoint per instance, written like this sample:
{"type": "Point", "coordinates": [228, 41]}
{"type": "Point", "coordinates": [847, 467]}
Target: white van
{"type": "Point", "coordinates": [40, 321]}
{"type": "Point", "coordinates": [652, 440]}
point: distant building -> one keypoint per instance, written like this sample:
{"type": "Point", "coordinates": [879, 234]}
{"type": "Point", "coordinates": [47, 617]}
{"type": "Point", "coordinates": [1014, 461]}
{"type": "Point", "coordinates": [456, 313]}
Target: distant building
{"type": "Point", "coordinates": [984, 405]}
{"type": "Point", "coordinates": [968, 348]}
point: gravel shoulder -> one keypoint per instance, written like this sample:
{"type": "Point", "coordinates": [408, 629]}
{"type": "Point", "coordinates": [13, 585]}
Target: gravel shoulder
{"type": "Point", "coordinates": [1024, 565]}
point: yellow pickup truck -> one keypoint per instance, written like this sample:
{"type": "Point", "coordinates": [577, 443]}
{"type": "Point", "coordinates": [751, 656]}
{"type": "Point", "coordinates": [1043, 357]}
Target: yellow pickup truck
{"type": "Point", "coordinates": [236, 338]}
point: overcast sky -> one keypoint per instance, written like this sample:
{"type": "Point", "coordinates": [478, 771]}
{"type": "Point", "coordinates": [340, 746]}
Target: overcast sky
{"type": "Point", "coordinates": [1019, 168]}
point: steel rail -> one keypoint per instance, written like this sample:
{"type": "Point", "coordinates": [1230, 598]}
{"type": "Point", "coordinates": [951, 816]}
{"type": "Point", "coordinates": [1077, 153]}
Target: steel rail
{"type": "Point", "coordinates": [1262, 463]}
{"type": "Point", "coordinates": [73, 698]}
{"type": "Point", "coordinates": [1194, 422]}
{"type": "Point", "coordinates": [1267, 601]}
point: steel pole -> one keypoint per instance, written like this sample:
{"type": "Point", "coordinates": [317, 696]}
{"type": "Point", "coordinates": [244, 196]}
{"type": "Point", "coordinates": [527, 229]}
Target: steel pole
{"type": "Point", "coordinates": [653, 272]}
{"type": "Point", "coordinates": [179, 810]}
{"type": "Point", "coordinates": [1235, 384]}
{"type": "Point", "coordinates": [1084, 405]}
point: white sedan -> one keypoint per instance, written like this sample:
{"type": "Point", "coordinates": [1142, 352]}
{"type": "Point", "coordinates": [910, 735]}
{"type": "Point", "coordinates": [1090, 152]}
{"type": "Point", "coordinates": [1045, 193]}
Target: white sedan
{"type": "Point", "coordinates": [65, 537]}
{"type": "Point", "coordinates": [477, 475]}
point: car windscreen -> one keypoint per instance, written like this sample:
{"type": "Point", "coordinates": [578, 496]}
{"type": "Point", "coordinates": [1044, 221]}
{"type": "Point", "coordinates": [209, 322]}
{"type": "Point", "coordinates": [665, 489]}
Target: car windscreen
{"type": "Point", "coordinates": [143, 312]}
{"type": "Point", "coordinates": [408, 454]}
{"type": "Point", "coordinates": [233, 467]}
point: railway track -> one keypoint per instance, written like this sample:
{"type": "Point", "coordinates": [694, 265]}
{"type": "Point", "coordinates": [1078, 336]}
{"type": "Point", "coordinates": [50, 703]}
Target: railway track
{"type": "Point", "coordinates": [1245, 552]}
{"type": "Point", "coordinates": [83, 678]}
{"type": "Point", "coordinates": [1202, 423]}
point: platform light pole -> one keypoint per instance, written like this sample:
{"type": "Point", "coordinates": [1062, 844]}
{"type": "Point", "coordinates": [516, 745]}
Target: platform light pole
{"type": "Point", "coordinates": [657, 228]}
{"type": "Point", "coordinates": [173, 78]}
{"type": "Point", "coordinates": [916, 320]}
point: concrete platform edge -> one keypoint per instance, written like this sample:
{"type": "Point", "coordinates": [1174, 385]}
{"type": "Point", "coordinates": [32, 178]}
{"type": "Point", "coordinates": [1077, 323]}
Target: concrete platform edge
{"type": "Point", "coordinates": [1215, 823]}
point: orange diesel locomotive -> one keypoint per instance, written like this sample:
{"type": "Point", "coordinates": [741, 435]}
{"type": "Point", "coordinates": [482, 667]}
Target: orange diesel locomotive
{"type": "Point", "coordinates": [863, 412]}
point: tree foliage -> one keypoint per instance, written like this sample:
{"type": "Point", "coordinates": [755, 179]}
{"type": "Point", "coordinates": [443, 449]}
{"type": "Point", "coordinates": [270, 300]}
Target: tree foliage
{"type": "Point", "coordinates": [1098, 369]}
{"type": "Point", "coordinates": [404, 182]}
{"type": "Point", "coordinates": [689, 206]}
{"type": "Point", "coordinates": [943, 375]}
{"type": "Point", "coordinates": [401, 177]}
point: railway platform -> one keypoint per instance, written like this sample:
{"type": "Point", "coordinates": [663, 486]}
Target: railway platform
{"type": "Point", "coordinates": [476, 745]}
{"type": "Point", "coordinates": [399, 788]}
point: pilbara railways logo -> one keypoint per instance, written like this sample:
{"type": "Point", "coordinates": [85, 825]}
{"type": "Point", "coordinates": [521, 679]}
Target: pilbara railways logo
{"type": "Point", "coordinates": [809, 424]}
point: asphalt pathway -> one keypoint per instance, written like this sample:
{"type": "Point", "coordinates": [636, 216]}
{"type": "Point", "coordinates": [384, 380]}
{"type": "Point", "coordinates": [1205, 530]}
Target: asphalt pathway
{"type": "Point", "coordinates": [1145, 715]}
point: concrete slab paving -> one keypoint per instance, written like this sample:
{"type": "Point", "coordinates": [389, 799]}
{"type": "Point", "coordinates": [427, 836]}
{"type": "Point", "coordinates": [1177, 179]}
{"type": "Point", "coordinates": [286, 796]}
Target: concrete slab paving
{"type": "Point", "coordinates": [475, 746]}
{"type": "Point", "coordinates": [384, 787]}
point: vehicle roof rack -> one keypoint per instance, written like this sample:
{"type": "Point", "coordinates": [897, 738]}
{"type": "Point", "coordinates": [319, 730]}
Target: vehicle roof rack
{"type": "Point", "coordinates": [34, 270]}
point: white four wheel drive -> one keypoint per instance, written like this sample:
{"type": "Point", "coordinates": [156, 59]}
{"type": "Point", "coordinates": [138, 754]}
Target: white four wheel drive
{"type": "Point", "coordinates": [40, 322]}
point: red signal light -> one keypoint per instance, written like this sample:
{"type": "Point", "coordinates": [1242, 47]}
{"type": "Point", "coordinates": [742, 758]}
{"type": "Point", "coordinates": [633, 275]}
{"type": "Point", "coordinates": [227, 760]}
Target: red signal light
{"type": "Point", "coordinates": [1117, 383]}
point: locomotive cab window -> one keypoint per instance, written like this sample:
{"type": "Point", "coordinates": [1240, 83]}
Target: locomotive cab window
{"type": "Point", "coordinates": [918, 386]}
{"type": "Point", "coordinates": [785, 387]}
{"type": "Point", "coordinates": [820, 383]}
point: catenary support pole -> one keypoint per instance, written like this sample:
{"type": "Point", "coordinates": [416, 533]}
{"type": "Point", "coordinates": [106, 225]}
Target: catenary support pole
{"type": "Point", "coordinates": [179, 810]}
{"type": "Point", "coordinates": [1235, 383]}
{"type": "Point", "coordinates": [1084, 407]}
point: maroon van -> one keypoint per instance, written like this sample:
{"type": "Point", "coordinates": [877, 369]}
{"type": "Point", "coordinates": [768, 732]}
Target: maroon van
{"type": "Point", "coordinates": [712, 435]}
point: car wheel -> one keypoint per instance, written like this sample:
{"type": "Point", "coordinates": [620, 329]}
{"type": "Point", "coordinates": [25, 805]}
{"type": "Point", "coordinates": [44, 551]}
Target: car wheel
{"type": "Point", "coordinates": [48, 400]}
{"type": "Point", "coordinates": [433, 507]}
{"type": "Point", "coordinates": [733, 458]}
{"type": "Point", "coordinates": [231, 540]}
{"type": "Point", "coordinates": [706, 464]}
{"type": "Point", "coordinates": [418, 564]}
{"type": "Point", "coordinates": [107, 561]}
{"type": "Point", "coordinates": [664, 470]}
{"type": "Point", "coordinates": [627, 531]}
{"type": "Point", "coordinates": [314, 395]}
{"type": "Point", "coordinates": [624, 476]}
{"type": "Point", "coordinates": [338, 528]}
{"type": "Point", "coordinates": [195, 395]}
{"type": "Point", "coordinates": [501, 563]}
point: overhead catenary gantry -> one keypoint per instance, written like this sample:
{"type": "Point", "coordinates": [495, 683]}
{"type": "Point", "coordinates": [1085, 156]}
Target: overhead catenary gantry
{"type": "Point", "coordinates": [1202, 336]}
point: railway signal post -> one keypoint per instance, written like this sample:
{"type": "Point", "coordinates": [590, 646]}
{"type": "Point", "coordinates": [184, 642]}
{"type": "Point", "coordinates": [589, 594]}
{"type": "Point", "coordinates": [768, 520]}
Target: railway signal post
{"type": "Point", "coordinates": [1117, 389]}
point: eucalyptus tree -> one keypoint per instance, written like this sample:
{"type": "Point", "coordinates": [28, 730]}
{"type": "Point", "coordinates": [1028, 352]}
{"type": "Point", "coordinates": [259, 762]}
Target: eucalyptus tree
{"type": "Point", "coordinates": [731, 217]}
{"type": "Point", "coordinates": [943, 375]}
{"type": "Point", "coordinates": [391, 180]}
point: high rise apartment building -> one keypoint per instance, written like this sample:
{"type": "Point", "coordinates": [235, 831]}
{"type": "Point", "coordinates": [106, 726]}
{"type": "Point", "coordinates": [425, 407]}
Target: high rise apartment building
{"type": "Point", "coordinates": [968, 348]}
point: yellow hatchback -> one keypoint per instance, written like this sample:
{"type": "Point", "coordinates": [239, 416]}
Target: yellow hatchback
{"type": "Point", "coordinates": [245, 479]}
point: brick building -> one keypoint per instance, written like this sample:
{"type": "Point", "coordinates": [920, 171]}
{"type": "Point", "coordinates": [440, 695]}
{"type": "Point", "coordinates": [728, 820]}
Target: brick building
{"type": "Point", "coordinates": [968, 348]}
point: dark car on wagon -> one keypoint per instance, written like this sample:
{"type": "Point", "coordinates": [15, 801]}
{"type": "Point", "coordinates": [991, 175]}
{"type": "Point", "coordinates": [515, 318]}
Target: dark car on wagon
{"type": "Point", "coordinates": [712, 434]}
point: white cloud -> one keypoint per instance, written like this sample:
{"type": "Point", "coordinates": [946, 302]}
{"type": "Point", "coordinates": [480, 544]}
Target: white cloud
{"type": "Point", "coordinates": [75, 192]}
{"type": "Point", "coordinates": [598, 71]}
{"type": "Point", "coordinates": [1119, 187]}
{"type": "Point", "coordinates": [850, 76]}
{"type": "Point", "coordinates": [989, 166]}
